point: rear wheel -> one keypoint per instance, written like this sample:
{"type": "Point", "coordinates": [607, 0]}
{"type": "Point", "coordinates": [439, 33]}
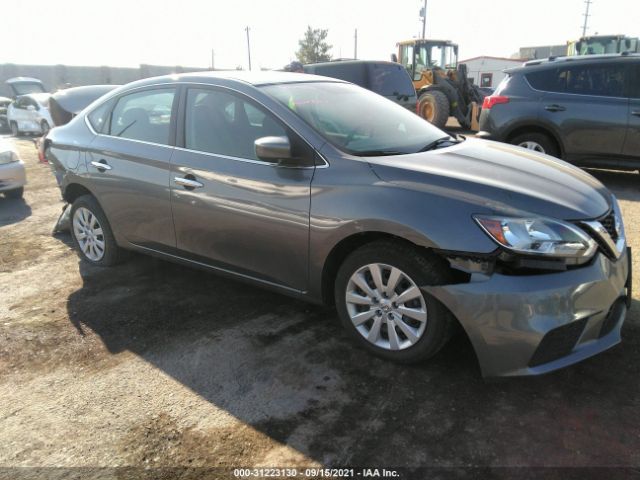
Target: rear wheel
{"type": "Point", "coordinates": [433, 106]}
{"type": "Point", "coordinates": [14, 129]}
{"type": "Point", "coordinates": [536, 141]}
{"type": "Point", "coordinates": [16, 193]}
{"type": "Point", "coordinates": [92, 233]}
{"type": "Point", "coordinates": [379, 301]}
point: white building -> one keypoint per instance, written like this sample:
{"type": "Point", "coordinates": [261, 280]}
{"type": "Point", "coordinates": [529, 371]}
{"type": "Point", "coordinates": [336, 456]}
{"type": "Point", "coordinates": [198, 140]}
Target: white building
{"type": "Point", "coordinates": [488, 71]}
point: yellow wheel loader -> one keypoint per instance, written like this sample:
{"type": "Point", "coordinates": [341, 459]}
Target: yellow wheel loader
{"type": "Point", "coordinates": [442, 85]}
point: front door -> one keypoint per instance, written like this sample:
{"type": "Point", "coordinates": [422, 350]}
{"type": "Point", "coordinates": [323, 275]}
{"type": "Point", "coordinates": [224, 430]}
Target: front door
{"type": "Point", "coordinates": [232, 210]}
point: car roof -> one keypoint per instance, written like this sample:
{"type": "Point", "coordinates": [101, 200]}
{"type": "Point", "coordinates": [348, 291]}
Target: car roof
{"type": "Point", "coordinates": [350, 62]}
{"type": "Point", "coordinates": [267, 77]}
{"type": "Point", "coordinates": [578, 59]}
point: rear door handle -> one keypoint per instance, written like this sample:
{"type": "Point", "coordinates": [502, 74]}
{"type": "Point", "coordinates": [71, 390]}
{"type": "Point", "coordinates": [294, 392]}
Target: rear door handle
{"type": "Point", "coordinates": [635, 113]}
{"type": "Point", "coordinates": [188, 183]}
{"type": "Point", "coordinates": [102, 165]}
{"type": "Point", "coordinates": [554, 108]}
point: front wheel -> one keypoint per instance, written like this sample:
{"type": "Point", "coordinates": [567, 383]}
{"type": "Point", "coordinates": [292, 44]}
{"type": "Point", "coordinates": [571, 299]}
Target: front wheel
{"type": "Point", "coordinates": [92, 233]}
{"type": "Point", "coordinates": [379, 301]}
{"type": "Point", "coordinates": [536, 141]}
{"type": "Point", "coordinates": [433, 106]}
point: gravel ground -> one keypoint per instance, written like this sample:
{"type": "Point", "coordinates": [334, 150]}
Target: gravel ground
{"type": "Point", "coordinates": [151, 364]}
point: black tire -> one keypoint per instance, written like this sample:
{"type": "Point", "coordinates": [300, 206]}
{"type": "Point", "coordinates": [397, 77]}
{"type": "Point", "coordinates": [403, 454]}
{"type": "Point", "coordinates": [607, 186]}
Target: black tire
{"type": "Point", "coordinates": [433, 106]}
{"type": "Point", "coordinates": [15, 194]}
{"type": "Point", "coordinates": [545, 142]}
{"type": "Point", "coordinates": [112, 253]}
{"type": "Point", "coordinates": [424, 269]}
{"type": "Point", "coordinates": [44, 126]}
{"type": "Point", "coordinates": [14, 129]}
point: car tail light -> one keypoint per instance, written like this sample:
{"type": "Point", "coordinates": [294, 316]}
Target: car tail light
{"type": "Point", "coordinates": [492, 100]}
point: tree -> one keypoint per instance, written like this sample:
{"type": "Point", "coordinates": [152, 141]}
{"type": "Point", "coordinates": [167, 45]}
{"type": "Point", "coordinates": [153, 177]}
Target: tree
{"type": "Point", "coordinates": [313, 46]}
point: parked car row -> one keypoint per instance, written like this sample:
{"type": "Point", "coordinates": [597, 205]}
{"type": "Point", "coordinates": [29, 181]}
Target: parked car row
{"type": "Point", "coordinates": [325, 191]}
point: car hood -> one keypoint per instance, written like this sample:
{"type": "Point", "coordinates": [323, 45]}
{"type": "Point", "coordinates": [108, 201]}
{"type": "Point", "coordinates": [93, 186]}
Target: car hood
{"type": "Point", "coordinates": [500, 179]}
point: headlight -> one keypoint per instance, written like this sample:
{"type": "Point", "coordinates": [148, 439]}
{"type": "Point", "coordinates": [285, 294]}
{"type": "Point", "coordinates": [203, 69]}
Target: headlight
{"type": "Point", "coordinates": [538, 236]}
{"type": "Point", "coordinates": [8, 157]}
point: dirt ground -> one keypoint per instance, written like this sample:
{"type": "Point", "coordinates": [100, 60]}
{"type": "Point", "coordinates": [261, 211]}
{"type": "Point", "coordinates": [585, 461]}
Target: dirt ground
{"type": "Point", "coordinates": [151, 364]}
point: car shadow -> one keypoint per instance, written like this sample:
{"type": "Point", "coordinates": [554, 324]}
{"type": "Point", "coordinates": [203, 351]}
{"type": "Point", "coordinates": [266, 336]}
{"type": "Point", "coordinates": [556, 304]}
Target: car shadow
{"type": "Point", "coordinates": [287, 369]}
{"type": "Point", "coordinates": [13, 210]}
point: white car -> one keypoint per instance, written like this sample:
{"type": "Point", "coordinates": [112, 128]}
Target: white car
{"type": "Point", "coordinates": [30, 114]}
{"type": "Point", "coordinates": [12, 173]}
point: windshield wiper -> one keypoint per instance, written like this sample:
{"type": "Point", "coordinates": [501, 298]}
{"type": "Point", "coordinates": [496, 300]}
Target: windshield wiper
{"type": "Point", "coordinates": [378, 153]}
{"type": "Point", "coordinates": [439, 143]}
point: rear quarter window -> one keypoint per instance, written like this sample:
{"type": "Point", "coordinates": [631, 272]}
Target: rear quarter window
{"type": "Point", "coordinates": [389, 80]}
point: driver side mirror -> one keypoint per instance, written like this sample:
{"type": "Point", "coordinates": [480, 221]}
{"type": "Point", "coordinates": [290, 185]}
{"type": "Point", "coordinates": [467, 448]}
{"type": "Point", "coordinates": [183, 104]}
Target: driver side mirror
{"type": "Point", "coordinates": [274, 149]}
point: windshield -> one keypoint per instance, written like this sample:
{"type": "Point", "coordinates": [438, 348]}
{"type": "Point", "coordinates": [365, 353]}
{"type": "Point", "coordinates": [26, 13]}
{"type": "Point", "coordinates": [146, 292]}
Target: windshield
{"type": "Point", "coordinates": [356, 120]}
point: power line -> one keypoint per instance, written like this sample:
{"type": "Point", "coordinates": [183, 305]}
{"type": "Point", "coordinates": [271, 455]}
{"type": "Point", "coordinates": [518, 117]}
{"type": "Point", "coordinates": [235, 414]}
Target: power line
{"type": "Point", "coordinates": [586, 17]}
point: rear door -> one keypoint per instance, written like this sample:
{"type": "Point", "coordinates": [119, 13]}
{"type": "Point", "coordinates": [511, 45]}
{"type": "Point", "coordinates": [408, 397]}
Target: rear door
{"type": "Point", "coordinates": [129, 162]}
{"type": "Point", "coordinates": [587, 108]}
{"type": "Point", "coordinates": [631, 149]}
{"type": "Point", "coordinates": [232, 210]}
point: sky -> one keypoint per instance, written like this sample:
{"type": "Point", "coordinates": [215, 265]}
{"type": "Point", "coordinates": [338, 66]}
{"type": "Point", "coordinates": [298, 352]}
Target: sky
{"type": "Point", "coordinates": [185, 32]}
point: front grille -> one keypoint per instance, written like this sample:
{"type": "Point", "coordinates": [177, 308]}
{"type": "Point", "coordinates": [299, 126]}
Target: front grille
{"type": "Point", "coordinates": [558, 343]}
{"type": "Point", "coordinates": [611, 320]}
{"type": "Point", "coordinates": [609, 223]}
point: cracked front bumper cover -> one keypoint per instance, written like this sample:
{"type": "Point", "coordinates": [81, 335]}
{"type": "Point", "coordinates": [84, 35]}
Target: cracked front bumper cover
{"type": "Point", "coordinates": [510, 319]}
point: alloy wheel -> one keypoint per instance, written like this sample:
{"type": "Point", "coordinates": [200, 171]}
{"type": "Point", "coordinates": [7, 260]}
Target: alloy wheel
{"type": "Point", "coordinates": [530, 145]}
{"type": "Point", "coordinates": [386, 306]}
{"type": "Point", "coordinates": [88, 233]}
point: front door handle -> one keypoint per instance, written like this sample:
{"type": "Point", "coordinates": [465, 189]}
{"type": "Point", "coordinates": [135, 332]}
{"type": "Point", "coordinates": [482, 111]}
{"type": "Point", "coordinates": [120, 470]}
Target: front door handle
{"type": "Point", "coordinates": [102, 165]}
{"type": "Point", "coordinates": [635, 113]}
{"type": "Point", "coordinates": [554, 108]}
{"type": "Point", "coordinates": [188, 183]}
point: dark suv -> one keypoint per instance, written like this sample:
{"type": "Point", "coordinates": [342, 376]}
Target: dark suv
{"type": "Point", "coordinates": [384, 78]}
{"type": "Point", "coordinates": [585, 110]}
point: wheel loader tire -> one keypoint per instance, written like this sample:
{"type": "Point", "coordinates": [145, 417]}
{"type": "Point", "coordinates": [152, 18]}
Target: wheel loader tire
{"type": "Point", "coordinates": [433, 106]}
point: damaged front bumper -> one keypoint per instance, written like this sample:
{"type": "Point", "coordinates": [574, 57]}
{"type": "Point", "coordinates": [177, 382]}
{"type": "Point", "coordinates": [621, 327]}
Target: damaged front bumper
{"type": "Point", "coordinates": [534, 324]}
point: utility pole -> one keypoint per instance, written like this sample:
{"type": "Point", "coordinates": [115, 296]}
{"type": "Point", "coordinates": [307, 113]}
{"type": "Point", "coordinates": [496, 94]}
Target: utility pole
{"type": "Point", "coordinates": [355, 45]}
{"type": "Point", "coordinates": [423, 14]}
{"type": "Point", "coordinates": [248, 47]}
{"type": "Point", "coordinates": [213, 59]}
{"type": "Point", "coordinates": [586, 17]}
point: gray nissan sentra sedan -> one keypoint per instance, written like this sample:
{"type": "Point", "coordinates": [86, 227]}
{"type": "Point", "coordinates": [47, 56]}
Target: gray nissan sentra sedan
{"type": "Point", "coordinates": [325, 191]}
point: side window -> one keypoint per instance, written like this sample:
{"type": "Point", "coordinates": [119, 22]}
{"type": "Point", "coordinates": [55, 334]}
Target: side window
{"type": "Point", "coordinates": [99, 117]}
{"type": "Point", "coordinates": [546, 80]}
{"type": "Point", "coordinates": [601, 80]}
{"type": "Point", "coordinates": [144, 116]}
{"type": "Point", "coordinates": [605, 80]}
{"type": "Point", "coordinates": [226, 124]}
